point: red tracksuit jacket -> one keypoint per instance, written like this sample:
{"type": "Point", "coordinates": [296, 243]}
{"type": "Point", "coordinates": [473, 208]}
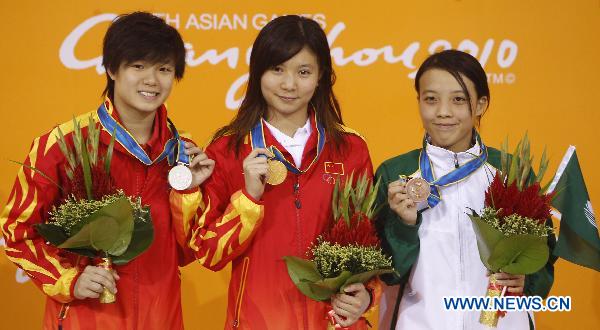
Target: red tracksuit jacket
{"type": "Point", "coordinates": [254, 235]}
{"type": "Point", "coordinates": [149, 289]}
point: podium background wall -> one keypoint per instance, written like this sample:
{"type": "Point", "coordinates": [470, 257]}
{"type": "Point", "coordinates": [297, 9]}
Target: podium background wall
{"type": "Point", "coordinates": [541, 56]}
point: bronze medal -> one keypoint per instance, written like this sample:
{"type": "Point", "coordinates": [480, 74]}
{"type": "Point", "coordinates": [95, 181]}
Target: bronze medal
{"type": "Point", "coordinates": [277, 172]}
{"type": "Point", "coordinates": [418, 189]}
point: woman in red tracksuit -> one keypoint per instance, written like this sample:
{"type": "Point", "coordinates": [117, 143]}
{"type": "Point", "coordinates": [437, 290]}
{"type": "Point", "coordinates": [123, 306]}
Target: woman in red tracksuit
{"type": "Point", "coordinates": [290, 115]}
{"type": "Point", "coordinates": [143, 56]}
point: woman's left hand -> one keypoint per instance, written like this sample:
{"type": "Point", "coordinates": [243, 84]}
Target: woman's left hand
{"type": "Point", "coordinates": [200, 165]}
{"type": "Point", "coordinates": [513, 283]}
{"type": "Point", "coordinates": [350, 306]}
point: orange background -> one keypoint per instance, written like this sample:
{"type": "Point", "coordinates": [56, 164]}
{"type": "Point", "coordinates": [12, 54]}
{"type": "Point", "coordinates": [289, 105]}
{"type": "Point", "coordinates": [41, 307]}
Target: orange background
{"type": "Point", "coordinates": [549, 89]}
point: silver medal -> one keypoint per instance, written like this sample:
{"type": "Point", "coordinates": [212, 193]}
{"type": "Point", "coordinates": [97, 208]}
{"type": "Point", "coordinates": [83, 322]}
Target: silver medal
{"type": "Point", "coordinates": [180, 177]}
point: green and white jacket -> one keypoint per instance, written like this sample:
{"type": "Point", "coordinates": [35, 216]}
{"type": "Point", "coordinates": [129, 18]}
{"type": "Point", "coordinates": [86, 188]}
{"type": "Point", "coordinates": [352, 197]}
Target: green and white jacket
{"type": "Point", "coordinates": [438, 256]}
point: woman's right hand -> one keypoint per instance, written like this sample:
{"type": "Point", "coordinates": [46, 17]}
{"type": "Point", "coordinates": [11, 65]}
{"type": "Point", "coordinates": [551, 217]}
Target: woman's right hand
{"type": "Point", "coordinates": [255, 172]}
{"type": "Point", "coordinates": [401, 204]}
{"type": "Point", "coordinates": [92, 282]}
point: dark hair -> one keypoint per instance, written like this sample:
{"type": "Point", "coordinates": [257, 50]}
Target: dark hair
{"type": "Point", "coordinates": [458, 63]}
{"type": "Point", "coordinates": [280, 40]}
{"type": "Point", "coordinates": [140, 36]}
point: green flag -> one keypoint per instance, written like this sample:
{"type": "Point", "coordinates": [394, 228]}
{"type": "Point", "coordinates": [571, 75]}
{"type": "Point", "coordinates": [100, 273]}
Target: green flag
{"type": "Point", "coordinates": [578, 240]}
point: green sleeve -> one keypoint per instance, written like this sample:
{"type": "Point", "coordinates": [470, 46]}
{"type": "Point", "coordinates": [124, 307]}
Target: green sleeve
{"type": "Point", "coordinates": [398, 240]}
{"type": "Point", "coordinates": [540, 283]}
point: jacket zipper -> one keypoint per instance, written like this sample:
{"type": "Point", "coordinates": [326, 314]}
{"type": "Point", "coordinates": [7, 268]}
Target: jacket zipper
{"type": "Point", "coordinates": [298, 205]}
{"type": "Point", "coordinates": [62, 315]}
{"type": "Point", "coordinates": [240, 295]}
{"type": "Point", "coordinates": [140, 185]}
{"type": "Point", "coordinates": [460, 243]}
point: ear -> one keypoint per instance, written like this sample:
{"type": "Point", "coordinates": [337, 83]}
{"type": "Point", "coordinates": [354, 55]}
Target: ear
{"type": "Point", "coordinates": [481, 106]}
{"type": "Point", "coordinates": [111, 74]}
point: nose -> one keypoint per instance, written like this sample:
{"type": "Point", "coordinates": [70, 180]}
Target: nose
{"type": "Point", "coordinates": [151, 78]}
{"type": "Point", "coordinates": [443, 109]}
{"type": "Point", "coordinates": [288, 82]}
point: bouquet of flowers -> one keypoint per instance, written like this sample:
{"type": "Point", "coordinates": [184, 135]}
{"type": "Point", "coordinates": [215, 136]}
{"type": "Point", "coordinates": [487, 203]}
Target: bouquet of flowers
{"type": "Point", "coordinates": [511, 231]}
{"type": "Point", "coordinates": [95, 219]}
{"type": "Point", "coordinates": [347, 253]}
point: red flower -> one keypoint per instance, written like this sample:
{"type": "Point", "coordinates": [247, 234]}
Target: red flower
{"type": "Point", "coordinates": [102, 184]}
{"type": "Point", "coordinates": [509, 200]}
{"type": "Point", "coordinates": [360, 232]}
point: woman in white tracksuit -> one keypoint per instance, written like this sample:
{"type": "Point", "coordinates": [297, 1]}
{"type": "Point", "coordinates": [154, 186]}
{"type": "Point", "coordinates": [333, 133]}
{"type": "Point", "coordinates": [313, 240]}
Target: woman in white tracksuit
{"type": "Point", "coordinates": [432, 243]}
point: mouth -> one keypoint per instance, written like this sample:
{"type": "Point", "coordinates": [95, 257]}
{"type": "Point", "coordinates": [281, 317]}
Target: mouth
{"type": "Point", "coordinates": [287, 98]}
{"type": "Point", "coordinates": [148, 95]}
{"type": "Point", "coordinates": [445, 126]}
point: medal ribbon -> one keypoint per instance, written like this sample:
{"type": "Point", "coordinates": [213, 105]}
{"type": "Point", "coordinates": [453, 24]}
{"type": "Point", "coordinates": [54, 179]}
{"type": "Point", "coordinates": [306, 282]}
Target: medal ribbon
{"type": "Point", "coordinates": [173, 149]}
{"type": "Point", "coordinates": [257, 135]}
{"type": "Point", "coordinates": [454, 176]}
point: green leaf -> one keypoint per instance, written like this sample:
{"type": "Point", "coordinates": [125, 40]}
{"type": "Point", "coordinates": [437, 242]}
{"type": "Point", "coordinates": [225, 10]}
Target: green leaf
{"type": "Point", "coordinates": [141, 239]}
{"type": "Point", "coordinates": [371, 208]}
{"type": "Point", "coordinates": [543, 167]}
{"type": "Point", "coordinates": [504, 161]}
{"type": "Point", "coordinates": [334, 283]}
{"type": "Point", "coordinates": [80, 240]}
{"type": "Point", "coordinates": [520, 254]}
{"type": "Point", "coordinates": [108, 229]}
{"type": "Point", "coordinates": [524, 174]}
{"type": "Point", "coordinates": [514, 165]}
{"type": "Point", "coordinates": [103, 233]}
{"type": "Point", "coordinates": [66, 150]}
{"type": "Point", "coordinates": [487, 239]}
{"type": "Point", "coordinates": [122, 212]}
{"type": "Point", "coordinates": [93, 140]}
{"type": "Point", "coordinates": [87, 171]}
{"type": "Point", "coordinates": [38, 172]}
{"type": "Point", "coordinates": [52, 233]}
{"type": "Point", "coordinates": [301, 269]}
{"type": "Point", "coordinates": [109, 152]}
{"type": "Point", "coordinates": [303, 274]}
{"type": "Point", "coordinates": [335, 200]}
{"type": "Point", "coordinates": [325, 288]}
{"type": "Point", "coordinates": [365, 276]}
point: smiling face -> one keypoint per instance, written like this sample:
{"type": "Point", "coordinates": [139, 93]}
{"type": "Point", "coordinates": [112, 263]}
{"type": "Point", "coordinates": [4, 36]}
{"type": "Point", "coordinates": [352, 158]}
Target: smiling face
{"type": "Point", "coordinates": [445, 110]}
{"type": "Point", "coordinates": [141, 87]}
{"type": "Point", "coordinates": [288, 87]}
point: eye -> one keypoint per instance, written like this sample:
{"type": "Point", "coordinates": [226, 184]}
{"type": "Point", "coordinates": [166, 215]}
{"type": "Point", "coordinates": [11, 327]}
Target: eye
{"type": "Point", "coordinates": [304, 72]}
{"type": "Point", "coordinates": [137, 66]}
{"type": "Point", "coordinates": [166, 69]}
{"type": "Point", "coordinates": [459, 100]}
{"type": "Point", "coordinates": [277, 69]}
{"type": "Point", "coordinates": [429, 99]}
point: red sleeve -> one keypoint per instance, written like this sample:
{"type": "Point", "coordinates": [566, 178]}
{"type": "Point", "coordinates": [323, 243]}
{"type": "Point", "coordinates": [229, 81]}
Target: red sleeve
{"type": "Point", "coordinates": [222, 218]}
{"type": "Point", "coordinates": [31, 198]}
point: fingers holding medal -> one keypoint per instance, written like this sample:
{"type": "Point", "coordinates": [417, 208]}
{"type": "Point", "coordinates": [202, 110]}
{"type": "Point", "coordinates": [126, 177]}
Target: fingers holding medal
{"type": "Point", "coordinates": [199, 169]}
{"type": "Point", "coordinates": [403, 196]}
{"type": "Point", "coordinates": [256, 169]}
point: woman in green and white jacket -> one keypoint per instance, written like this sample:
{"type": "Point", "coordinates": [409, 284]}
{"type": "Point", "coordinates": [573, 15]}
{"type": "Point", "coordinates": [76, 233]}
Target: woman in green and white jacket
{"type": "Point", "coordinates": [432, 243]}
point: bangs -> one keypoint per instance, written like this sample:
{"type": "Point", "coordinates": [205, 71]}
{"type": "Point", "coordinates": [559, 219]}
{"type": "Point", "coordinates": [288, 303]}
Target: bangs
{"type": "Point", "coordinates": [282, 50]}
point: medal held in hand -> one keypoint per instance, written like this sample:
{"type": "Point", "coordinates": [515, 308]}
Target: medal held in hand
{"type": "Point", "coordinates": [180, 176]}
{"type": "Point", "coordinates": [277, 172]}
{"type": "Point", "coordinates": [418, 189]}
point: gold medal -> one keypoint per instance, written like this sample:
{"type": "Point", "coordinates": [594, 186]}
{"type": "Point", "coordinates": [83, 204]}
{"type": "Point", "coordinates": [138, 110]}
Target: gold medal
{"type": "Point", "coordinates": [277, 172]}
{"type": "Point", "coordinates": [418, 189]}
